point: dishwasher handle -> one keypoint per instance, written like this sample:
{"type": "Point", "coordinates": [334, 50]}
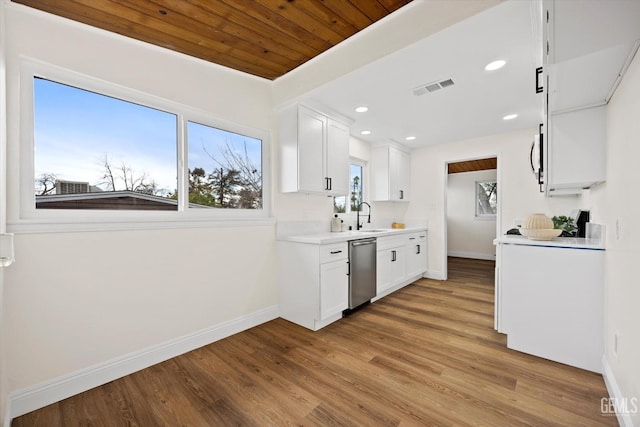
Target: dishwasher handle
{"type": "Point", "coordinates": [363, 242]}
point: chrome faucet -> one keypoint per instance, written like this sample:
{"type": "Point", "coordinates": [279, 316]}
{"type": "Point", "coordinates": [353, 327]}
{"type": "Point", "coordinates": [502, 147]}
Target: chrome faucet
{"type": "Point", "coordinates": [358, 225]}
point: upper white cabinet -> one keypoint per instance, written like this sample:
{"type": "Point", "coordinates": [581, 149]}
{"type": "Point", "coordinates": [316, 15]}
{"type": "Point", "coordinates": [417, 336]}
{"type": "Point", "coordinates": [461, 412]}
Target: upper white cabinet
{"type": "Point", "coordinates": [314, 152]}
{"type": "Point", "coordinates": [589, 46]}
{"type": "Point", "coordinates": [577, 151]}
{"type": "Point", "coordinates": [390, 169]}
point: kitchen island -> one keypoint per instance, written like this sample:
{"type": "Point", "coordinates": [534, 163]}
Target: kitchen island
{"type": "Point", "coordinates": [549, 298]}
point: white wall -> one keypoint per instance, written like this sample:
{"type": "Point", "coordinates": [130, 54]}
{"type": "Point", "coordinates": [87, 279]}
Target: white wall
{"type": "Point", "coordinates": [4, 384]}
{"type": "Point", "coordinates": [518, 195]}
{"type": "Point", "coordinates": [467, 235]}
{"type": "Point", "coordinates": [618, 203]}
{"type": "Point", "coordinates": [79, 300]}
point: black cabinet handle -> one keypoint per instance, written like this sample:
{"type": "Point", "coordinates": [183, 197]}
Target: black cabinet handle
{"type": "Point", "coordinates": [326, 183]}
{"type": "Point", "coordinates": [401, 194]}
{"type": "Point", "coordinates": [393, 256]}
{"type": "Point", "coordinates": [539, 88]}
{"type": "Point", "coordinates": [348, 268]}
{"type": "Point", "coordinates": [418, 246]}
{"type": "Point", "coordinates": [335, 252]}
{"type": "Point", "coordinates": [330, 183]}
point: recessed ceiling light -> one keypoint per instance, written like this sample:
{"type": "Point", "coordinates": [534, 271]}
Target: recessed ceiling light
{"type": "Point", "coordinates": [510, 117]}
{"type": "Point", "coordinates": [366, 132]}
{"type": "Point", "coordinates": [410, 138]}
{"type": "Point", "coordinates": [362, 109]}
{"type": "Point", "coordinates": [495, 65]}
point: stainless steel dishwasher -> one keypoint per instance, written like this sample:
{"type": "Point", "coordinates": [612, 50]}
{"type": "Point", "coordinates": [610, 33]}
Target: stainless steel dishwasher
{"type": "Point", "coordinates": [362, 271]}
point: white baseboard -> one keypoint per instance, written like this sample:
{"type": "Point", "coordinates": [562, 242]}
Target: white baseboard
{"type": "Point", "coordinates": [57, 389]}
{"type": "Point", "coordinates": [433, 274]}
{"type": "Point", "coordinates": [624, 419]}
{"type": "Point", "coordinates": [473, 255]}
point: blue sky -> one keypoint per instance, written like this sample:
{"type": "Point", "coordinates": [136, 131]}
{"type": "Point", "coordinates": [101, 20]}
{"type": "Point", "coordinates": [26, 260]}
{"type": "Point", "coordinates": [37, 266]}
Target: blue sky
{"type": "Point", "coordinates": [75, 129]}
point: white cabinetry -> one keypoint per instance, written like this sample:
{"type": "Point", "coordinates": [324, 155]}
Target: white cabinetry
{"type": "Point", "coordinates": [577, 150]}
{"type": "Point", "coordinates": [314, 283]}
{"type": "Point", "coordinates": [586, 57]}
{"type": "Point", "coordinates": [400, 260]}
{"type": "Point", "coordinates": [390, 168]}
{"type": "Point", "coordinates": [416, 253]}
{"type": "Point", "coordinates": [584, 60]}
{"type": "Point", "coordinates": [550, 303]}
{"type": "Point", "coordinates": [314, 152]}
{"type": "Point", "coordinates": [390, 263]}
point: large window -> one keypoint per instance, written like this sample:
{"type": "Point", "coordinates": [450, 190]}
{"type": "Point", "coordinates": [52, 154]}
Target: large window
{"type": "Point", "coordinates": [97, 152]}
{"type": "Point", "coordinates": [351, 203]}
{"type": "Point", "coordinates": [100, 148]}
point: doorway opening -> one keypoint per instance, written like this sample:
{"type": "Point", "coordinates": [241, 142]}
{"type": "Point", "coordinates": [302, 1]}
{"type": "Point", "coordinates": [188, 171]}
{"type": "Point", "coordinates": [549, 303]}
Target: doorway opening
{"type": "Point", "coordinates": [471, 212]}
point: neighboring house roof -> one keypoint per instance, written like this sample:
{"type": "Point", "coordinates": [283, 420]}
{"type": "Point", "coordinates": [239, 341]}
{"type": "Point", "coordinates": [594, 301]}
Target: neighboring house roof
{"type": "Point", "coordinates": [116, 200]}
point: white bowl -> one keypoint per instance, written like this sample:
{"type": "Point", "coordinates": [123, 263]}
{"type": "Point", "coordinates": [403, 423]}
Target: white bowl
{"type": "Point", "coordinates": [541, 233]}
{"type": "Point", "coordinates": [537, 220]}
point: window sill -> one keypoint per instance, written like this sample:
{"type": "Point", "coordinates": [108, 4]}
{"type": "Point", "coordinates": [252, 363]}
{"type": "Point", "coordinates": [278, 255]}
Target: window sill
{"type": "Point", "coordinates": [485, 217]}
{"type": "Point", "coordinates": [30, 226]}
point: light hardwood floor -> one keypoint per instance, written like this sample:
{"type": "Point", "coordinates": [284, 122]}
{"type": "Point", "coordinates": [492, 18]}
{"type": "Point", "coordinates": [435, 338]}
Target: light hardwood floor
{"type": "Point", "coordinates": [425, 355]}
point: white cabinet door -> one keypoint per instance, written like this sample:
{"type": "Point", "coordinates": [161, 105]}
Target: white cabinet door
{"type": "Point", "coordinates": [576, 149]}
{"type": "Point", "coordinates": [314, 152]}
{"type": "Point", "coordinates": [398, 265]}
{"type": "Point", "coordinates": [334, 288]}
{"type": "Point", "coordinates": [383, 271]}
{"type": "Point", "coordinates": [390, 168]}
{"type": "Point", "coordinates": [399, 164]}
{"type": "Point", "coordinates": [390, 268]}
{"type": "Point", "coordinates": [337, 158]}
{"type": "Point", "coordinates": [312, 129]}
{"type": "Point", "coordinates": [416, 252]}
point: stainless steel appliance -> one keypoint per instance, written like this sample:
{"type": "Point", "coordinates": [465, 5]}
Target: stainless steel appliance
{"type": "Point", "coordinates": [362, 271]}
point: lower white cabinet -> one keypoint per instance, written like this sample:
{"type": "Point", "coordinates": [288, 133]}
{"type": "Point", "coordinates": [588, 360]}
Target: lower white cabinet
{"type": "Point", "coordinates": [550, 303]}
{"type": "Point", "coordinates": [416, 253]}
{"type": "Point", "coordinates": [401, 260]}
{"type": "Point", "coordinates": [334, 288]}
{"type": "Point", "coordinates": [314, 282]}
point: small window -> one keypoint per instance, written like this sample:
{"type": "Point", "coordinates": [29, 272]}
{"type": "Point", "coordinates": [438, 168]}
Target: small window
{"type": "Point", "coordinates": [486, 199]}
{"type": "Point", "coordinates": [97, 152]}
{"type": "Point", "coordinates": [350, 203]}
{"type": "Point", "coordinates": [225, 169]}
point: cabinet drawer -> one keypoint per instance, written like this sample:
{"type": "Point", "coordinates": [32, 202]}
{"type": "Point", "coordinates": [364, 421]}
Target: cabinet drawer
{"type": "Point", "coordinates": [333, 252]}
{"type": "Point", "coordinates": [416, 237]}
{"type": "Point", "coordinates": [392, 242]}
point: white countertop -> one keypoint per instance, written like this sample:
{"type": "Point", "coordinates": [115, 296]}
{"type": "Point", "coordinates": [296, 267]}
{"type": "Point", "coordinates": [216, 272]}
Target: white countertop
{"type": "Point", "coordinates": [344, 236]}
{"type": "Point", "coordinates": [558, 242]}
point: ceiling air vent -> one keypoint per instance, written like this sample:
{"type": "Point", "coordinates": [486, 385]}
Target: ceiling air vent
{"type": "Point", "coordinates": [432, 87]}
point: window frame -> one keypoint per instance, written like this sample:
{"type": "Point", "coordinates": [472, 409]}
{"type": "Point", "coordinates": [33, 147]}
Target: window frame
{"type": "Point", "coordinates": [483, 216]}
{"type": "Point", "coordinates": [32, 218]}
{"type": "Point", "coordinates": [348, 214]}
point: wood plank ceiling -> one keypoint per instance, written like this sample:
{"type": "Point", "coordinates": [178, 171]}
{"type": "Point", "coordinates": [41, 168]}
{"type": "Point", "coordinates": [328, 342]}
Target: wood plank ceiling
{"type": "Point", "coordinates": [473, 165]}
{"type": "Point", "coordinates": [266, 38]}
